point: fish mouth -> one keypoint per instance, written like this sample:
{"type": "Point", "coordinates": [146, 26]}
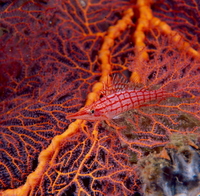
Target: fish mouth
{"type": "Point", "coordinates": [86, 115]}
{"type": "Point", "coordinates": [77, 115]}
{"type": "Point", "coordinates": [71, 116]}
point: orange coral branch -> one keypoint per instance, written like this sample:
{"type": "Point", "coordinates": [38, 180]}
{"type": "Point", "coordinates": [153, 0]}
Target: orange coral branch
{"type": "Point", "coordinates": [142, 25]}
{"type": "Point", "coordinates": [104, 53]}
{"type": "Point", "coordinates": [147, 21]}
{"type": "Point", "coordinates": [113, 33]}
{"type": "Point", "coordinates": [45, 159]}
{"type": "Point", "coordinates": [48, 155]}
{"type": "Point", "coordinates": [139, 37]}
{"type": "Point", "coordinates": [176, 37]}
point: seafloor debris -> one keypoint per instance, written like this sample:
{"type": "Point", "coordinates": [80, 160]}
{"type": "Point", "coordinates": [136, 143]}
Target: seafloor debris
{"type": "Point", "coordinates": [175, 170]}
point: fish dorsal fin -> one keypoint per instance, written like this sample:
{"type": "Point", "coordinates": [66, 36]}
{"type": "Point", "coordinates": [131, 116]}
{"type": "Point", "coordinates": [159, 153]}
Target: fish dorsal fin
{"type": "Point", "coordinates": [117, 84]}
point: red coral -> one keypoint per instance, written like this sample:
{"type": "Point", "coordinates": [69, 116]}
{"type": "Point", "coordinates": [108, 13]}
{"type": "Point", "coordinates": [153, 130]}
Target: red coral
{"type": "Point", "coordinates": [49, 62]}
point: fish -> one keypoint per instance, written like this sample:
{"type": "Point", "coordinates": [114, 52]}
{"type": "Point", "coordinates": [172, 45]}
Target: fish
{"type": "Point", "coordinates": [117, 98]}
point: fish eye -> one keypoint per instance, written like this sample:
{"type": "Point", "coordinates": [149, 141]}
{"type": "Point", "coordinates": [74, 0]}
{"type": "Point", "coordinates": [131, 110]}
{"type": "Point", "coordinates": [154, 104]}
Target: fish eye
{"type": "Point", "coordinates": [91, 111]}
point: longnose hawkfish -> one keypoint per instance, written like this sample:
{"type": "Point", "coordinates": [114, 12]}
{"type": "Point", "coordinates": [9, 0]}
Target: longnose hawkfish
{"type": "Point", "coordinates": [117, 98]}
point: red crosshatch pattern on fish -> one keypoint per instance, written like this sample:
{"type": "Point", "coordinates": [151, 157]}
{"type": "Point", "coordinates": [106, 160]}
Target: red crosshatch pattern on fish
{"type": "Point", "coordinates": [116, 101]}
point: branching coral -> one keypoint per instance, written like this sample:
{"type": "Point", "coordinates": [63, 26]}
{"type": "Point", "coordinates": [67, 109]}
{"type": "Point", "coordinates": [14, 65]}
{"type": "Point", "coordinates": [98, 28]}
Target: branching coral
{"type": "Point", "coordinates": [52, 55]}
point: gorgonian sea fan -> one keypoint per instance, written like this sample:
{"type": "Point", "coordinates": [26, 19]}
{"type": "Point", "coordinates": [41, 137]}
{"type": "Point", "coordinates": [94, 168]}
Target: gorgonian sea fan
{"type": "Point", "coordinates": [178, 73]}
{"type": "Point", "coordinates": [50, 62]}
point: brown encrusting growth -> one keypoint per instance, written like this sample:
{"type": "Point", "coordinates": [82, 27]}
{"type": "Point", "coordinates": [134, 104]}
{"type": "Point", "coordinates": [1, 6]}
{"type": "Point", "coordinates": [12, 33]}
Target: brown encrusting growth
{"type": "Point", "coordinates": [56, 57]}
{"type": "Point", "coordinates": [177, 163]}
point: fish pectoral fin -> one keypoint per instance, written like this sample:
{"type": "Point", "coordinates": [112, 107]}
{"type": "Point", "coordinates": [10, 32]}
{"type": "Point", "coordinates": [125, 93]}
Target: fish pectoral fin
{"type": "Point", "coordinates": [118, 116]}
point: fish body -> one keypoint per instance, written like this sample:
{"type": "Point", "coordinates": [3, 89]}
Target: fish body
{"type": "Point", "coordinates": [112, 105]}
